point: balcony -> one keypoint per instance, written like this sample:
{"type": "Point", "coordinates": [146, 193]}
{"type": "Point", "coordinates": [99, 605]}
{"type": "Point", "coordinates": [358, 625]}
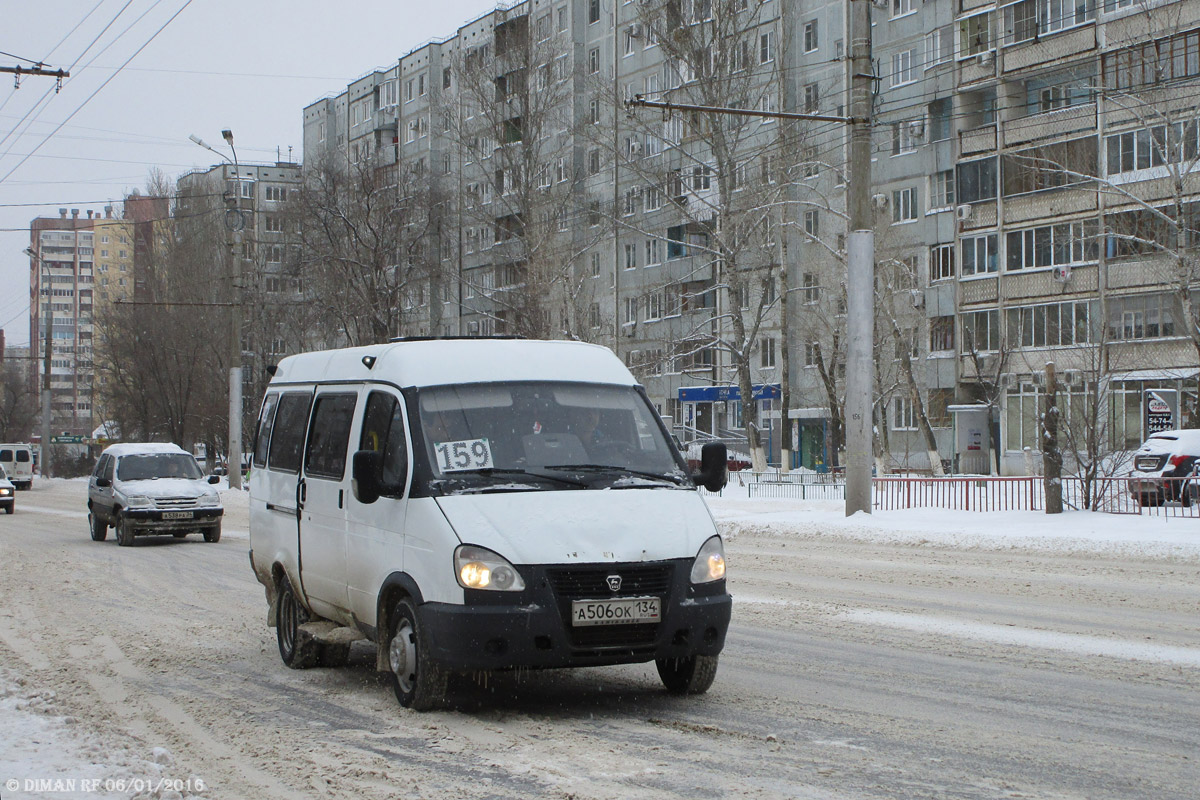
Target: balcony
{"type": "Point", "coordinates": [977, 140]}
{"type": "Point", "coordinates": [977, 68]}
{"type": "Point", "coordinates": [1050, 124]}
{"type": "Point", "coordinates": [1057, 46]}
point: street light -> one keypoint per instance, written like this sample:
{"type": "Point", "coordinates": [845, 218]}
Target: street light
{"type": "Point", "coordinates": [234, 224]}
{"type": "Point", "coordinates": [49, 320]}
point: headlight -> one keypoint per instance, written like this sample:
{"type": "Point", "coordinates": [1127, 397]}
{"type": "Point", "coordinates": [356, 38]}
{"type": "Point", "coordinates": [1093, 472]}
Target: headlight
{"type": "Point", "coordinates": [5, 492]}
{"type": "Point", "coordinates": [138, 501]}
{"type": "Point", "coordinates": [709, 565]}
{"type": "Point", "coordinates": [480, 568]}
{"type": "Point", "coordinates": [208, 500]}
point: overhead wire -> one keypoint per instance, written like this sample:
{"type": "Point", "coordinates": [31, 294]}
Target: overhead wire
{"type": "Point", "coordinates": [98, 89]}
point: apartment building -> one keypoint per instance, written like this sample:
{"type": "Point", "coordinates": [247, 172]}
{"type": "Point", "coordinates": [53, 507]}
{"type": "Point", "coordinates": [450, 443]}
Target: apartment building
{"type": "Point", "coordinates": [232, 229]}
{"type": "Point", "coordinates": [1031, 181]}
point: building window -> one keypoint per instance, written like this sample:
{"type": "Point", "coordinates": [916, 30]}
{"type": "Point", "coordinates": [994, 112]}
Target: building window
{"type": "Point", "coordinates": [766, 47]}
{"type": "Point", "coordinates": [980, 331]}
{"type": "Point", "coordinates": [904, 138]}
{"type": "Point", "coordinates": [941, 190]}
{"type": "Point", "coordinates": [766, 349]}
{"type": "Point", "coordinates": [904, 205]}
{"type": "Point", "coordinates": [631, 305]}
{"type": "Point", "coordinates": [1052, 245]}
{"type": "Point", "coordinates": [810, 288]}
{"type": "Point", "coordinates": [901, 8]}
{"type": "Point", "coordinates": [940, 113]}
{"type": "Point", "coordinates": [810, 36]}
{"type": "Point", "coordinates": [941, 333]}
{"type": "Point", "coordinates": [595, 259]}
{"type": "Point", "coordinates": [975, 35]}
{"type": "Point", "coordinates": [812, 223]}
{"type": "Point", "coordinates": [902, 67]}
{"type": "Point", "coordinates": [594, 60]}
{"type": "Point", "coordinates": [593, 11]}
{"type": "Point", "coordinates": [979, 255]}
{"type": "Point", "coordinates": [1147, 316]}
{"type": "Point", "coordinates": [904, 416]}
{"type": "Point", "coordinates": [941, 262]}
{"type": "Point", "coordinates": [939, 46]}
{"type": "Point", "coordinates": [1052, 324]}
{"type": "Point", "coordinates": [653, 252]}
{"type": "Point", "coordinates": [630, 256]}
{"type": "Point", "coordinates": [812, 97]}
{"type": "Point", "coordinates": [977, 180]}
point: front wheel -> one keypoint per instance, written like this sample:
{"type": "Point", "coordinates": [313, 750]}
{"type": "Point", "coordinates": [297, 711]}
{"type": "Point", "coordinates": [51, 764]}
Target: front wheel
{"type": "Point", "coordinates": [98, 526]}
{"type": "Point", "coordinates": [689, 675]}
{"type": "Point", "coordinates": [10, 508]}
{"type": "Point", "coordinates": [296, 650]}
{"type": "Point", "coordinates": [213, 534]}
{"type": "Point", "coordinates": [124, 532]}
{"type": "Point", "coordinates": [419, 682]}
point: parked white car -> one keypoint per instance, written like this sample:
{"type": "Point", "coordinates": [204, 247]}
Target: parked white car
{"type": "Point", "coordinates": [152, 488]}
{"type": "Point", "coordinates": [473, 505]}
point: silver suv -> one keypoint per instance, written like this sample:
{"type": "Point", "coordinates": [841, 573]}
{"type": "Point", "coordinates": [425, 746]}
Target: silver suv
{"type": "Point", "coordinates": [147, 489]}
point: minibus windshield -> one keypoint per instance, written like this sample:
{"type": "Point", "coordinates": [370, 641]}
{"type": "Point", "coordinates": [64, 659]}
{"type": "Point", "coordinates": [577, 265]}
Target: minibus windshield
{"type": "Point", "coordinates": [559, 435]}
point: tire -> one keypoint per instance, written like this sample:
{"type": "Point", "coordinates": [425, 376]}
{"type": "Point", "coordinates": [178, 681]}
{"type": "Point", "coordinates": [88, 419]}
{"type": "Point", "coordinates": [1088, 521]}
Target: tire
{"type": "Point", "coordinates": [689, 675]}
{"type": "Point", "coordinates": [98, 526]}
{"type": "Point", "coordinates": [419, 682]}
{"type": "Point", "coordinates": [124, 532]}
{"type": "Point", "coordinates": [213, 535]}
{"type": "Point", "coordinates": [297, 650]}
{"type": "Point", "coordinates": [10, 508]}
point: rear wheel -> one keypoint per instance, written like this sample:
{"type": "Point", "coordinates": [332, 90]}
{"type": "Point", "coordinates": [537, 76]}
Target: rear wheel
{"type": "Point", "coordinates": [98, 526]}
{"type": "Point", "coordinates": [689, 675]}
{"type": "Point", "coordinates": [213, 534]}
{"type": "Point", "coordinates": [419, 682]}
{"type": "Point", "coordinates": [297, 650]}
{"type": "Point", "coordinates": [124, 532]}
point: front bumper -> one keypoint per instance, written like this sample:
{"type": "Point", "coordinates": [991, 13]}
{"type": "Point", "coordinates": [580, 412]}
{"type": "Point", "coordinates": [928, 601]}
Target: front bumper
{"type": "Point", "coordinates": [144, 521]}
{"type": "Point", "coordinates": [531, 628]}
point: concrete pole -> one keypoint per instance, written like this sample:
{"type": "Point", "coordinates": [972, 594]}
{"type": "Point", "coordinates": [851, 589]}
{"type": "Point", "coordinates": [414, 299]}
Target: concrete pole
{"type": "Point", "coordinates": [860, 267]}
{"type": "Point", "coordinates": [46, 368]}
{"type": "Point", "coordinates": [234, 466]}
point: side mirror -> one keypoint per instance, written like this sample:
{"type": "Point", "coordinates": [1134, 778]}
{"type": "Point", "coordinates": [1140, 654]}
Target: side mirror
{"type": "Point", "coordinates": [366, 469]}
{"type": "Point", "coordinates": [714, 467]}
{"type": "Point", "coordinates": [214, 479]}
{"type": "Point", "coordinates": [103, 483]}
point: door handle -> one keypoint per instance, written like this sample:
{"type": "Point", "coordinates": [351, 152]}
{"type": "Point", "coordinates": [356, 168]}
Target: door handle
{"type": "Point", "coordinates": [301, 493]}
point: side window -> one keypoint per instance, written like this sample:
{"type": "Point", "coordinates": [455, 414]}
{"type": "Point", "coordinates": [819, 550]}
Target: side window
{"type": "Point", "coordinates": [383, 432]}
{"type": "Point", "coordinates": [99, 470]}
{"type": "Point", "coordinates": [22, 456]}
{"type": "Point", "coordinates": [262, 437]}
{"type": "Point", "coordinates": [110, 468]}
{"type": "Point", "coordinates": [287, 441]}
{"type": "Point", "coordinates": [330, 436]}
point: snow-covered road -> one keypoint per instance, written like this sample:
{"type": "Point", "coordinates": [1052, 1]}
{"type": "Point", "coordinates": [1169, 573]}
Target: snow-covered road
{"type": "Point", "coordinates": [905, 655]}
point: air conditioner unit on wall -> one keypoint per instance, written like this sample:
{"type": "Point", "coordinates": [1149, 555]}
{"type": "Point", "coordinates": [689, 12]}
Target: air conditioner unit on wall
{"type": "Point", "coordinates": [1072, 378]}
{"type": "Point", "coordinates": [916, 128]}
{"type": "Point", "coordinates": [985, 364]}
{"type": "Point", "coordinates": [1062, 274]}
{"type": "Point", "coordinates": [963, 212]}
{"type": "Point", "coordinates": [880, 201]}
{"type": "Point", "coordinates": [1008, 381]}
{"type": "Point", "coordinates": [1038, 379]}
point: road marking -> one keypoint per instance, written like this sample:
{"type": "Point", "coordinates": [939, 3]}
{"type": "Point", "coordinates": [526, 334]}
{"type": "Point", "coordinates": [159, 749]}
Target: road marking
{"type": "Point", "coordinates": [55, 511]}
{"type": "Point", "coordinates": [1025, 637]}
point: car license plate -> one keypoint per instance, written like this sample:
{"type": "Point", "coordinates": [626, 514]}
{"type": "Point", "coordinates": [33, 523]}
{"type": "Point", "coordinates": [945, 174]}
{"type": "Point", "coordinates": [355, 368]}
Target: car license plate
{"type": "Point", "coordinates": [618, 611]}
{"type": "Point", "coordinates": [176, 515]}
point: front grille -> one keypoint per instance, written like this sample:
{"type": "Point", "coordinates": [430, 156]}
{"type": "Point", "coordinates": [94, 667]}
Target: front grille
{"type": "Point", "coordinates": [173, 503]}
{"type": "Point", "coordinates": [578, 583]}
{"type": "Point", "coordinates": [591, 583]}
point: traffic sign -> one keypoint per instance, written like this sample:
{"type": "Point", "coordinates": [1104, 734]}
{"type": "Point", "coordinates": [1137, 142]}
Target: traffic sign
{"type": "Point", "coordinates": [68, 440]}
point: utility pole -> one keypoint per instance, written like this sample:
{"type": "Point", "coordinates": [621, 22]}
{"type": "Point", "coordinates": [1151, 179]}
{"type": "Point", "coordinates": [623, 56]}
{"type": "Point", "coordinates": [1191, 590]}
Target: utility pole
{"type": "Point", "coordinates": [860, 267]}
{"type": "Point", "coordinates": [234, 467]}
{"type": "Point", "coordinates": [46, 404]}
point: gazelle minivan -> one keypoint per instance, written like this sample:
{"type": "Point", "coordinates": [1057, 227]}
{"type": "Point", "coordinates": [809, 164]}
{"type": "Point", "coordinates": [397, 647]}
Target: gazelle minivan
{"type": "Point", "coordinates": [482, 504]}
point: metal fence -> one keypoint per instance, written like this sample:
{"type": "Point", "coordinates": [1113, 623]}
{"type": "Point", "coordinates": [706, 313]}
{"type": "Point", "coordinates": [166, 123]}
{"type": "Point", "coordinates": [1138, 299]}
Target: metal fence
{"type": "Point", "coordinates": [1179, 497]}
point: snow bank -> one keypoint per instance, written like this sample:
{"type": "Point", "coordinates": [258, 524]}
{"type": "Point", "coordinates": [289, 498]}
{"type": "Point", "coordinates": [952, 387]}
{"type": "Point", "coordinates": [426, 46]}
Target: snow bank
{"type": "Point", "coordinates": [1070, 532]}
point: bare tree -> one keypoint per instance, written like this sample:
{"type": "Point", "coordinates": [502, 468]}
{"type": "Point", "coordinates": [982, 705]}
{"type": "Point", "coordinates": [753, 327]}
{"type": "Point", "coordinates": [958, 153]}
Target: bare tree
{"type": "Point", "coordinates": [19, 403]}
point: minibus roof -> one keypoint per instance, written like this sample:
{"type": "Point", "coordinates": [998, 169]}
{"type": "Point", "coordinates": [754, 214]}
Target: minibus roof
{"type": "Point", "coordinates": [442, 362]}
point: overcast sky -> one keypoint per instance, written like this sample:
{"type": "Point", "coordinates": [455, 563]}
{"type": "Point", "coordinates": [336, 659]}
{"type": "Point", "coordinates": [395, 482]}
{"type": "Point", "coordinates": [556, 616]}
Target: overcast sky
{"type": "Point", "coordinates": [247, 65]}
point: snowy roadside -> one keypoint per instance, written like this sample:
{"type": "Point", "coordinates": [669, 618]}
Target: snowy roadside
{"type": "Point", "coordinates": [1072, 532]}
{"type": "Point", "coordinates": [47, 754]}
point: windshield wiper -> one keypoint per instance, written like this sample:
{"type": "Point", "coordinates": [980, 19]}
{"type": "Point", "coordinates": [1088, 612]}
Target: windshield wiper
{"type": "Point", "coordinates": [657, 476]}
{"type": "Point", "coordinates": [520, 472]}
